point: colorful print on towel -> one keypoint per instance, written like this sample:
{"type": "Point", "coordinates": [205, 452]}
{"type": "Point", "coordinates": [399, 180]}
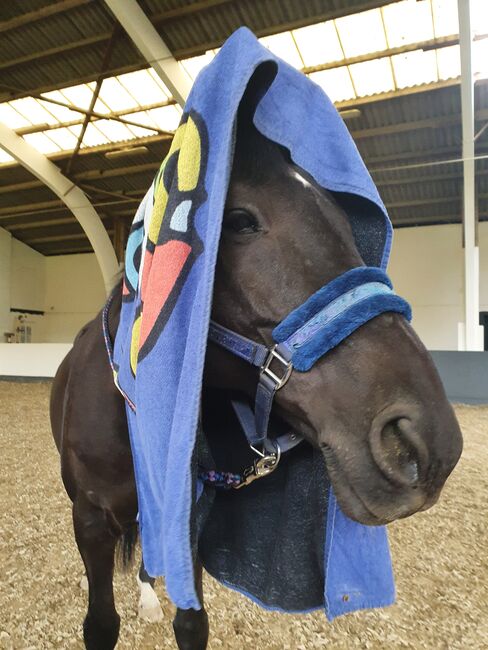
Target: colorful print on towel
{"type": "Point", "coordinates": [162, 251]}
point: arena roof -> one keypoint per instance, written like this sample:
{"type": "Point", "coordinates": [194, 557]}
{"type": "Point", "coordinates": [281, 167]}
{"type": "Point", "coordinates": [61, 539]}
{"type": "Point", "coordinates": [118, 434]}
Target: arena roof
{"type": "Point", "coordinates": [391, 67]}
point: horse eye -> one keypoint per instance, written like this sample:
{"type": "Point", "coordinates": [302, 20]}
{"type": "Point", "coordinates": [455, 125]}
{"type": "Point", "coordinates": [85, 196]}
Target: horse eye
{"type": "Point", "coordinates": [241, 222]}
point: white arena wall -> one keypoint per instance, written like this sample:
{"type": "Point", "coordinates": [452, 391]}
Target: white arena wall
{"type": "Point", "coordinates": [67, 288]}
{"type": "Point", "coordinates": [74, 294]}
{"type": "Point", "coordinates": [426, 267]}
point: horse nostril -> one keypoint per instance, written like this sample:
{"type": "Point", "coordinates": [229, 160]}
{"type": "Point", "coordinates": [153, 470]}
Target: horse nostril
{"type": "Point", "coordinates": [399, 451]}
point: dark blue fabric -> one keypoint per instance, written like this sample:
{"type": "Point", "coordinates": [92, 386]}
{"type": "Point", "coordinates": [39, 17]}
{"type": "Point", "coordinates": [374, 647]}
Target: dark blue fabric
{"type": "Point", "coordinates": [333, 331]}
{"type": "Point", "coordinates": [329, 337]}
{"type": "Point", "coordinates": [357, 578]}
{"type": "Point", "coordinates": [163, 375]}
{"type": "Point", "coordinates": [325, 295]}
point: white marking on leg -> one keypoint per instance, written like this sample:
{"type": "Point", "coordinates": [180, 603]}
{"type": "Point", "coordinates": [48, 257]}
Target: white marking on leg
{"type": "Point", "coordinates": [84, 583]}
{"type": "Point", "coordinates": [149, 607]}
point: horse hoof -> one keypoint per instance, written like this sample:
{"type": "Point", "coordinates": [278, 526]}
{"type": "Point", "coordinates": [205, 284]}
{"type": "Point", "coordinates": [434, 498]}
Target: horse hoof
{"type": "Point", "coordinates": [151, 614]}
{"type": "Point", "coordinates": [149, 606]}
{"type": "Point", "coordinates": [84, 583]}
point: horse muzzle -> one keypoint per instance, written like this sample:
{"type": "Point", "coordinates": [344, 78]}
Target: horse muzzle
{"type": "Point", "coordinates": [402, 471]}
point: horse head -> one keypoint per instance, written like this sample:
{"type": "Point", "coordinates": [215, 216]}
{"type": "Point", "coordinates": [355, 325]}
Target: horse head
{"type": "Point", "coordinates": [375, 404]}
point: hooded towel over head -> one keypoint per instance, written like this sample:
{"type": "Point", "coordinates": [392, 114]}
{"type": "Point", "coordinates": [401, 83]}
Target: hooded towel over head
{"type": "Point", "coordinates": [286, 549]}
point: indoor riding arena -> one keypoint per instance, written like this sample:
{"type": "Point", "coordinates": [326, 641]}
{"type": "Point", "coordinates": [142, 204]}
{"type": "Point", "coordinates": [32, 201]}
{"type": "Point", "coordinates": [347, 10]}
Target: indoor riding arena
{"type": "Point", "coordinates": [153, 157]}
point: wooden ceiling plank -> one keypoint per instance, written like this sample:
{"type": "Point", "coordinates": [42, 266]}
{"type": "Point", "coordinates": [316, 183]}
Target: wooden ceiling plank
{"type": "Point", "coordinates": [56, 238]}
{"type": "Point", "coordinates": [39, 14]}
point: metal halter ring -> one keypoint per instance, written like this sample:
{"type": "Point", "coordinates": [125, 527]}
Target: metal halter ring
{"type": "Point", "coordinates": [261, 467]}
{"type": "Point", "coordinates": [266, 369]}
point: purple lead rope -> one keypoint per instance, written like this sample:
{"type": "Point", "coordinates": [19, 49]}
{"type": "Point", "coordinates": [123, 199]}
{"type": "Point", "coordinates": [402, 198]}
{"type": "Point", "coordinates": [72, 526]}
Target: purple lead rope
{"type": "Point", "coordinates": [225, 480]}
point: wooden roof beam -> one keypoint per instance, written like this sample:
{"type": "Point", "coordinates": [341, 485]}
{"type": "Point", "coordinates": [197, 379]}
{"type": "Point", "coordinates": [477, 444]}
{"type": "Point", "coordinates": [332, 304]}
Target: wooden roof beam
{"type": "Point", "coordinates": [405, 127]}
{"type": "Point", "coordinates": [95, 174]}
{"type": "Point", "coordinates": [40, 14]}
{"type": "Point", "coordinates": [57, 238]}
{"type": "Point", "coordinates": [113, 115]}
{"type": "Point", "coordinates": [454, 176]}
{"type": "Point", "coordinates": [103, 148]}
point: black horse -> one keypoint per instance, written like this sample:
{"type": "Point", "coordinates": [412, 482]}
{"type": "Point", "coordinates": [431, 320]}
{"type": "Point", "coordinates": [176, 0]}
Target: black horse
{"type": "Point", "coordinates": [374, 405]}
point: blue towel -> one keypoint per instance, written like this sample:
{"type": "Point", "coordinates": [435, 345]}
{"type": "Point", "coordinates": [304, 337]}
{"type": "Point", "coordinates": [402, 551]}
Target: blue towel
{"type": "Point", "coordinates": [161, 341]}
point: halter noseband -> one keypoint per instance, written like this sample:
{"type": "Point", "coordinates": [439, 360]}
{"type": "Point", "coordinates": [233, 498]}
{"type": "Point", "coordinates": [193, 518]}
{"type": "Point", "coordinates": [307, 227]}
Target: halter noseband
{"type": "Point", "coordinates": [317, 326]}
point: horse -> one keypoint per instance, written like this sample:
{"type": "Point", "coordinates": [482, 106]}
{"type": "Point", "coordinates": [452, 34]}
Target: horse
{"type": "Point", "coordinates": [375, 405]}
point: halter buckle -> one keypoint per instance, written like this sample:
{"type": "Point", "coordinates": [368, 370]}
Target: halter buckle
{"type": "Point", "coordinates": [261, 467]}
{"type": "Point", "coordinates": [266, 368]}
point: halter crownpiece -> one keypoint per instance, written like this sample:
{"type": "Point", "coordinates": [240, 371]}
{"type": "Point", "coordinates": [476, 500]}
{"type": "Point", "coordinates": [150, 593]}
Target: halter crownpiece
{"type": "Point", "coordinates": [310, 331]}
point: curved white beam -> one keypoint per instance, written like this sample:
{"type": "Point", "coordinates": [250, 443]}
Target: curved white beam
{"type": "Point", "coordinates": [47, 172]}
{"type": "Point", "coordinates": [152, 47]}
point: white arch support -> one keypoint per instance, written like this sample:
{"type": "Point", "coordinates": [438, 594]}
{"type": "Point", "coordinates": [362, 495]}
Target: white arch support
{"type": "Point", "coordinates": [152, 47]}
{"type": "Point", "coordinates": [74, 198]}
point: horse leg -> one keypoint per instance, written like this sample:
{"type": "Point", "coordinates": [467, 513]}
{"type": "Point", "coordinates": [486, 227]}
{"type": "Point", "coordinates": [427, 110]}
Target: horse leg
{"type": "Point", "coordinates": [191, 625]}
{"type": "Point", "coordinates": [96, 543]}
{"type": "Point", "coordinates": [149, 607]}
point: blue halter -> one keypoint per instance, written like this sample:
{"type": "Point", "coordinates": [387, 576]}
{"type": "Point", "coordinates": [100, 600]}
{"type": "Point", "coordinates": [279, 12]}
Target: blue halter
{"type": "Point", "coordinates": [317, 326]}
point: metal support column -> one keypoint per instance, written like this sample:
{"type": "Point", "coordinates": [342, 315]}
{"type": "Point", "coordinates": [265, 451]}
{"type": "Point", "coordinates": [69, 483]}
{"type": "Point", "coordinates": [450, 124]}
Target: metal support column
{"type": "Point", "coordinates": [470, 340]}
{"type": "Point", "coordinates": [152, 47]}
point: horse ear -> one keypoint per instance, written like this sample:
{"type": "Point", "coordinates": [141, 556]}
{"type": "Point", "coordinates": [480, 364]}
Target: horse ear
{"type": "Point", "coordinates": [257, 86]}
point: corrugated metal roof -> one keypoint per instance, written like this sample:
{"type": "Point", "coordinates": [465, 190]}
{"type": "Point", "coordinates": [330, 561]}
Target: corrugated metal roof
{"type": "Point", "coordinates": [84, 31]}
{"type": "Point", "coordinates": [15, 8]}
{"type": "Point", "coordinates": [396, 132]}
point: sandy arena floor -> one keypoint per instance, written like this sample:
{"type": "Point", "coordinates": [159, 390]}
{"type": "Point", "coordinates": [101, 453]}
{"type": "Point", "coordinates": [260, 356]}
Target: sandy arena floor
{"type": "Point", "coordinates": [441, 561]}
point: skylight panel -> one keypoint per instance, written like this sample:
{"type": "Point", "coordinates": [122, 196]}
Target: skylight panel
{"type": "Point", "coordinates": [362, 33]}
{"type": "Point", "coordinates": [372, 77]}
{"type": "Point", "coordinates": [115, 96]}
{"type": "Point", "coordinates": [141, 132]}
{"type": "Point", "coordinates": [60, 112]}
{"type": "Point", "coordinates": [336, 83]}
{"type": "Point", "coordinates": [155, 77]}
{"type": "Point", "coordinates": [167, 118]}
{"type": "Point", "coordinates": [80, 96]}
{"type": "Point", "coordinates": [408, 22]}
{"type": "Point", "coordinates": [93, 137]}
{"type": "Point", "coordinates": [194, 65]}
{"type": "Point", "coordinates": [142, 87]}
{"type": "Point", "coordinates": [33, 111]}
{"type": "Point", "coordinates": [41, 142]}
{"type": "Point", "coordinates": [415, 68]}
{"type": "Point", "coordinates": [480, 59]}
{"type": "Point", "coordinates": [449, 62]}
{"type": "Point", "coordinates": [318, 43]}
{"type": "Point", "coordinates": [283, 45]}
{"type": "Point", "coordinates": [5, 157]}
{"type": "Point", "coordinates": [114, 131]}
{"type": "Point", "coordinates": [64, 138]}
{"type": "Point", "coordinates": [143, 118]}
{"type": "Point", "coordinates": [11, 118]}
{"type": "Point", "coordinates": [479, 17]}
{"type": "Point", "coordinates": [445, 17]}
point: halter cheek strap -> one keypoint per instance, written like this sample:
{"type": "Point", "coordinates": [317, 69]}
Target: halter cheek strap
{"type": "Point", "coordinates": [317, 326]}
{"type": "Point", "coordinates": [255, 423]}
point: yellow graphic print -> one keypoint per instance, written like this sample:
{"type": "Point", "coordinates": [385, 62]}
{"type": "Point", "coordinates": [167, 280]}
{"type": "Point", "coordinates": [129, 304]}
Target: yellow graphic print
{"type": "Point", "coordinates": [134, 345]}
{"type": "Point", "coordinates": [189, 158]}
{"type": "Point", "coordinates": [159, 208]}
{"type": "Point", "coordinates": [187, 141]}
{"type": "Point", "coordinates": [172, 241]}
